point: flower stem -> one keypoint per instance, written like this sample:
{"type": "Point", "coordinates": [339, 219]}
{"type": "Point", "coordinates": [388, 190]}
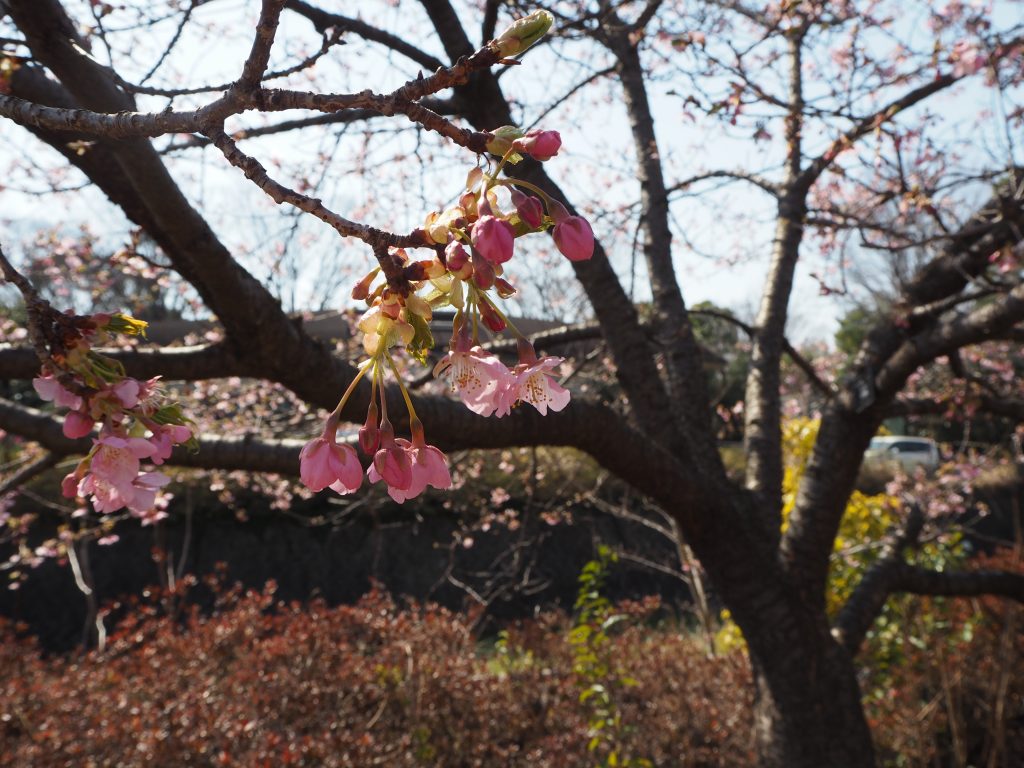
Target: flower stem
{"type": "Point", "coordinates": [348, 392]}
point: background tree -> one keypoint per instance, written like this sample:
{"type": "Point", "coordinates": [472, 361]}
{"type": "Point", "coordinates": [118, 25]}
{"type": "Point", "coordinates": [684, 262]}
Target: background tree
{"type": "Point", "coordinates": [835, 97]}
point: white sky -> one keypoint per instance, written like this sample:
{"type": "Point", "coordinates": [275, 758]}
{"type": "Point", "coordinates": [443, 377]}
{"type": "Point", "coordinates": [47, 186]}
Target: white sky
{"type": "Point", "coordinates": [734, 225]}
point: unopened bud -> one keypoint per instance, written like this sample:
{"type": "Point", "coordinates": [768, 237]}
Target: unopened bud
{"type": "Point", "coordinates": [362, 289]}
{"type": "Point", "coordinates": [502, 138]}
{"type": "Point", "coordinates": [369, 434]}
{"type": "Point", "coordinates": [504, 287]}
{"type": "Point", "coordinates": [457, 258]}
{"type": "Point", "coordinates": [491, 318]}
{"type": "Point", "coordinates": [523, 33]}
{"type": "Point", "coordinates": [529, 208]}
{"type": "Point", "coordinates": [483, 273]}
{"type": "Point", "coordinates": [540, 145]}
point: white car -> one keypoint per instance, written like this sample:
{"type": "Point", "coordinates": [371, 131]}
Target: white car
{"type": "Point", "coordinates": [908, 452]}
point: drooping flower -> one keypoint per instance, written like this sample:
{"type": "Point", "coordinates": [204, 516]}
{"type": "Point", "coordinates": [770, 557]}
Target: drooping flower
{"type": "Point", "coordinates": [165, 437]}
{"type": "Point", "coordinates": [139, 495]}
{"type": "Point", "coordinates": [323, 463]}
{"type": "Point", "coordinates": [427, 466]}
{"type": "Point", "coordinates": [392, 462]}
{"type": "Point", "coordinates": [127, 391]}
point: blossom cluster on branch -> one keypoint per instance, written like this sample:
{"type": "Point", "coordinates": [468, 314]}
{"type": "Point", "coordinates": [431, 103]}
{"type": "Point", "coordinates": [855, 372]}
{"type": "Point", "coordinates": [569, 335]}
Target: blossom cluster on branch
{"type": "Point", "coordinates": [471, 242]}
{"type": "Point", "coordinates": [135, 421]}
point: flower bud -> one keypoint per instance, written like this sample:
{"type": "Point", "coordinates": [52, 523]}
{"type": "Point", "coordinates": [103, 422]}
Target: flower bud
{"type": "Point", "coordinates": [540, 145]}
{"type": "Point", "coordinates": [369, 434]}
{"type": "Point", "coordinates": [574, 238]}
{"type": "Point", "coordinates": [458, 260]}
{"type": "Point", "coordinates": [491, 318]}
{"type": "Point", "coordinates": [362, 289]}
{"type": "Point", "coordinates": [502, 138]}
{"type": "Point", "coordinates": [572, 234]}
{"type": "Point", "coordinates": [494, 238]}
{"type": "Point", "coordinates": [523, 33]}
{"type": "Point", "coordinates": [529, 208]}
{"type": "Point", "coordinates": [504, 288]}
{"type": "Point", "coordinates": [483, 273]}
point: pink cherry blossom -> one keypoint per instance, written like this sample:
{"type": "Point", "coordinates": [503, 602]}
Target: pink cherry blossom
{"type": "Point", "coordinates": [478, 377]}
{"type": "Point", "coordinates": [127, 391]}
{"type": "Point", "coordinates": [116, 459]}
{"type": "Point", "coordinates": [145, 488]}
{"type": "Point", "coordinates": [324, 463]}
{"type": "Point", "coordinates": [165, 437]}
{"type": "Point", "coordinates": [494, 238]}
{"type": "Point", "coordinates": [532, 384]}
{"type": "Point", "coordinates": [51, 390]}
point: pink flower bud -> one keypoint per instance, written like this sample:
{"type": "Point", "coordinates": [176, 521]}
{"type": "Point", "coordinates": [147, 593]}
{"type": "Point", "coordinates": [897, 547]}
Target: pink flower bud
{"type": "Point", "coordinates": [494, 238]}
{"type": "Point", "coordinates": [77, 424]}
{"type": "Point", "coordinates": [457, 259]}
{"type": "Point", "coordinates": [483, 273]}
{"type": "Point", "coordinates": [572, 234]}
{"type": "Point", "coordinates": [529, 208]}
{"type": "Point", "coordinates": [491, 318]}
{"type": "Point", "coordinates": [541, 145]}
{"type": "Point", "coordinates": [369, 435]}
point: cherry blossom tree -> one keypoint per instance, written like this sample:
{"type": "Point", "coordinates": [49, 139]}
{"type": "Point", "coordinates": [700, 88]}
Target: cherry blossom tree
{"type": "Point", "coordinates": [854, 162]}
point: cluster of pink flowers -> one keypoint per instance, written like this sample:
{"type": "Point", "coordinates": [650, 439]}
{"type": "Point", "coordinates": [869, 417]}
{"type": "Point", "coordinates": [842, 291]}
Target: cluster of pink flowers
{"type": "Point", "coordinates": [134, 421]}
{"type": "Point", "coordinates": [488, 387]}
{"type": "Point", "coordinates": [471, 241]}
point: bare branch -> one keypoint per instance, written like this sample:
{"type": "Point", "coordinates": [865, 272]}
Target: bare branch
{"type": "Point", "coordinates": [324, 20]}
{"type": "Point", "coordinates": [259, 55]}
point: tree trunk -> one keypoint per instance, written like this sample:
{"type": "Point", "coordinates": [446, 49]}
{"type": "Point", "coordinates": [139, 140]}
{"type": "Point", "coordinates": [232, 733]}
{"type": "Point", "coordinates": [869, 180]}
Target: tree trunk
{"type": "Point", "coordinates": [807, 709]}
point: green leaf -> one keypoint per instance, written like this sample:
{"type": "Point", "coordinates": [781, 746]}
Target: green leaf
{"type": "Point", "coordinates": [423, 341]}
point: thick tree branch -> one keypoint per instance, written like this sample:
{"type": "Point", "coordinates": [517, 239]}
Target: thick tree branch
{"type": "Point", "coordinates": [868, 599]}
{"type": "Point", "coordinates": [259, 55]}
{"type": "Point", "coordinates": [762, 435]}
{"type": "Point", "coordinates": [901, 577]}
{"type": "Point", "coordinates": [671, 325]}
{"type": "Point", "coordinates": [213, 361]}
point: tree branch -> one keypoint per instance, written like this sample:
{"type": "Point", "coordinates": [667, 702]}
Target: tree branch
{"type": "Point", "coordinates": [323, 20]}
{"type": "Point", "coordinates": [214, 361]}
